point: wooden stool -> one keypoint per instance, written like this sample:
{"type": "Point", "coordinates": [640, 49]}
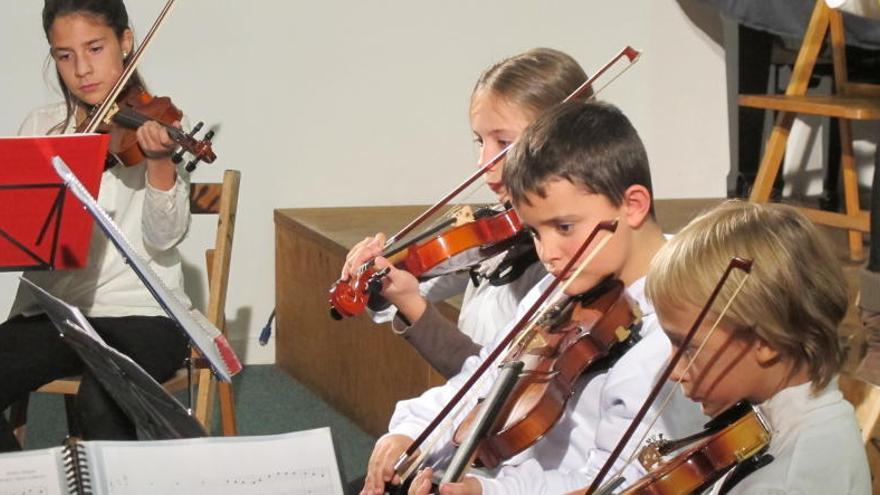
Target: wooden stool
{"type": "Point", "coordinates": [852, 101]}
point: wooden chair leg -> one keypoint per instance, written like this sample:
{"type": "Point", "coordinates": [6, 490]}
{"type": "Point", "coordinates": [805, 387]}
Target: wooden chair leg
{"type": "Point", "coordinates": [205, 399]}
{"type": "Point", "coordinates": [850, 188]}
{"type": "Point", "coordinates": [227, 409]}
{"type": "Point", "coordinates": [772, 160]}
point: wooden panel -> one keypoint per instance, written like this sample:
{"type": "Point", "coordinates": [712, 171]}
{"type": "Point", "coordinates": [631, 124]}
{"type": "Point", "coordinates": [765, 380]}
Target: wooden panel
{"type": "Point", "coordinates": [360, 368]}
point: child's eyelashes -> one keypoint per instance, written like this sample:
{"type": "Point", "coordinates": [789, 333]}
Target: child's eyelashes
{"type": "Point", "coordinates": [565, 228]}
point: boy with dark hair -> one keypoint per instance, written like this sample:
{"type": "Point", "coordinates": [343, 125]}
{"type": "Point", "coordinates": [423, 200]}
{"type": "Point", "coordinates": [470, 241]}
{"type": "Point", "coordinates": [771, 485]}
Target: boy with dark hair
{"type": "Point", "coordinates": [576, 166]}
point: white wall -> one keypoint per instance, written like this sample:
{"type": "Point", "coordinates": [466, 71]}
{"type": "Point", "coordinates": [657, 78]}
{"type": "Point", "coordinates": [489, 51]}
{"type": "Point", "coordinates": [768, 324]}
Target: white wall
{"type": "Point", "coordinates": [340, 103]}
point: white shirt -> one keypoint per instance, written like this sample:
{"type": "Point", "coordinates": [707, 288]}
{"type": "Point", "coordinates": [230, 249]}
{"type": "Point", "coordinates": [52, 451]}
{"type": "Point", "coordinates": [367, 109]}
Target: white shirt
{"type": "Point", "coordinates": [595, 418]}
{"type": "Point", "coordinates": [815, 443]}
{"type": "Point", "coordinates": [485, 308]}
{"type": "Point", "coordinates": [153, 221]}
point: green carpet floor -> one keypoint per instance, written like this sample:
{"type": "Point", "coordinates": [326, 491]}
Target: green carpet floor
{"type": "Point", "coordinates": [267, 401]}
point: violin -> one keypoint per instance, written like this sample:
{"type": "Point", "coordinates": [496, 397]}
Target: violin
{"type": "Point", "coordinates": [128, 106]}
{"type": "Point", "coordinates": [134, 107]}
{"type": "Point", "coordinates": [522, 338]}
{"type": "Point", "coordinates": [572, 338]}
{"type": "Point", "coordinates": [735, 436]}
{"type": "Point", "coordinates": [470, 237]}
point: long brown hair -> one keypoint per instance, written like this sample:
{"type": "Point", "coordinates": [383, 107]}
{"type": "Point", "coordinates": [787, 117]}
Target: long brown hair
{"type": "Point", "coordinates": [111, 12]}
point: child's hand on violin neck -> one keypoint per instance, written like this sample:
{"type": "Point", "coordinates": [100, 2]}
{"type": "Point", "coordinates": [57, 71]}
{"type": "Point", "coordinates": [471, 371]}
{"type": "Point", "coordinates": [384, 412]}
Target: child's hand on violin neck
{"type": "Point", "coordinates": [158, 147]}
{"type": "Point", "coordinates": [421, 485]}
{"type": "Point", "coordinates": [362, 252]}
{"type": "Point", "coordinates": [399, 287]}
{"type": "Point", "coordinates": [155, 141]}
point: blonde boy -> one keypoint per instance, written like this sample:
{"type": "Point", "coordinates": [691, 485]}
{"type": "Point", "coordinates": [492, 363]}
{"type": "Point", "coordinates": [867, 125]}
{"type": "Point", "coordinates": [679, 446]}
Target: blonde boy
{"type": "Point", "coordinates": [777, 345]}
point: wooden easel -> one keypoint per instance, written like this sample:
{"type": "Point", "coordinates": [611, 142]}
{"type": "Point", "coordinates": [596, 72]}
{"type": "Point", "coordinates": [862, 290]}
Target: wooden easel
{"type": "Point", "coordinates": [851, 101]}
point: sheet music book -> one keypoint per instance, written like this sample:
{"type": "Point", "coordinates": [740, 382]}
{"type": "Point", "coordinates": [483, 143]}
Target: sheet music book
{"type": "Point", "coordinates": [298, 463]}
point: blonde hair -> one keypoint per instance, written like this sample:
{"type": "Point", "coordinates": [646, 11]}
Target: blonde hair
{"type": "Point", "coordinates": [794, 298]}
{"type": "Point", "coordinates": [535, 80]}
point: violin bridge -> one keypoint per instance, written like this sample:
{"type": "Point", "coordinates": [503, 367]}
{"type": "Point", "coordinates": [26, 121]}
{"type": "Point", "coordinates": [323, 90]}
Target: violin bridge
{"type": "Point", "coordinates": [108, 118]}
{"type": "Point", "coordinates": [535, 341]}
{"type": "Point", "coordinates": [650, 454]}
{"type": "Point", "coordinates": [462, 215]}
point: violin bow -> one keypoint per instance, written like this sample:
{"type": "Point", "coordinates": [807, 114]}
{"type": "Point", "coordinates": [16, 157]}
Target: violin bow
{"type": "Point", "coordinates": [735, 263]}
{"type": "Point", "coordinates": [101, 111]}
{"type": "Point", "coordinates": [630, 53]}
{"type": "Point", "coordinates": [405, 463]}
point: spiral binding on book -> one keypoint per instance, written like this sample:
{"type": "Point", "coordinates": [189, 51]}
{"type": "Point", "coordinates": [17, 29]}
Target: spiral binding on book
{"type": "Point", "coordinates": [206, 337]}
{"type": "Point", "coordinates": [76, 469]}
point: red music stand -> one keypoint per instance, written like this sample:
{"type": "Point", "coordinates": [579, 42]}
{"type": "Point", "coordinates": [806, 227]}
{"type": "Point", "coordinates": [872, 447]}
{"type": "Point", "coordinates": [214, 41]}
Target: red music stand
{"type": "Point", "coordinates": [41, 227]}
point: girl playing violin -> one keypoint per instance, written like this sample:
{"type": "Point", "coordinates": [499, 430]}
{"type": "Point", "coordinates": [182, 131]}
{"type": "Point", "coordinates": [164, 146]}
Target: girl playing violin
{"type": "Point", "coordinates": [776, 347]}
{"type": "Point", "coordinates": [89, 42]}
{"type": "Point", "coordinates": [507, 96]}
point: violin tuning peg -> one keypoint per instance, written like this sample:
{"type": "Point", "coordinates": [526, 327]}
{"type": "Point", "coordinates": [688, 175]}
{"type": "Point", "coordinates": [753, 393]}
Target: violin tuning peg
{"type": "Point", "coordinates": [177, 157]}
{"type": "Point", "coordinates": [192, 165]}
{"type": "Point", "coordinates": [196, 129]}
{"type": "Point", "coordinates": [209, 135]}
{"type": "Point", "coordinates": [374, 284]}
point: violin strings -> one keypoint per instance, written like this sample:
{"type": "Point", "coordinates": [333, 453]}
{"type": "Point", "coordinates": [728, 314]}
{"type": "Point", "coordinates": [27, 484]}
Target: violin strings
{"type": "Point", "coordinates": [451, 212]}
{"type": "Point", "coordinates": [527, 331]}
{"type": "Point", "coordinates": [664, 404]}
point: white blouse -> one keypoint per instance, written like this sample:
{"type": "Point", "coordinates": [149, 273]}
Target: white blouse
{"type": "Point", "coordinates": [153, 221]}
{"type": "Point", "coordinates": [568, 457]}
{"type": "Point", "coordinates": [815, 444]}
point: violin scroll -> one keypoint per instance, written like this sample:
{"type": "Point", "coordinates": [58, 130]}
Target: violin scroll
{"type": "Point", "coordinates": [133, 110]}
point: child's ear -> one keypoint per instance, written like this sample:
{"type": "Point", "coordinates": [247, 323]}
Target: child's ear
{"type": "Point", "coordinates": [765, 354]}
{"type": "Point", "coordinates": [637, 202]}
{"type": "Point", "coordinates": [127, 42]}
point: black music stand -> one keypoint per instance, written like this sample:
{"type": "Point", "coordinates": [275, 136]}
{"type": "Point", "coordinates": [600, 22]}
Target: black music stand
{"type": "Point", "coordinates": [155, 413]}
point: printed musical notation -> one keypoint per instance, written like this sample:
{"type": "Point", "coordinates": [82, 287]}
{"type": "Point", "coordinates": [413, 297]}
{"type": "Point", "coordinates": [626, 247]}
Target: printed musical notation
{"type": "Point", "coordinates": [317, 481]}
{"type": "Point", "coordinates": [32, 473]}
{"type": "Point", "coordinates": [34, 490]}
